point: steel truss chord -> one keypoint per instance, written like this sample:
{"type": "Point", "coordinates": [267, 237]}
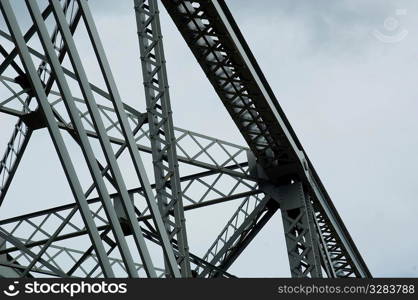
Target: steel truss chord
{"type": "Point", "coordinates": [218, 45]}
{"type": "Point", "coordinates": [161, 129]}
{"type": "Point", "coordinates": [336, 261]}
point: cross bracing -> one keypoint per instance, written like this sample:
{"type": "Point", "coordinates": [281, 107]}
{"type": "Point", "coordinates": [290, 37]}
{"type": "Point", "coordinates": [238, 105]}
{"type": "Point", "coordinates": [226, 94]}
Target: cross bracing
{"type": "Point", "coordinates": [113, 230]}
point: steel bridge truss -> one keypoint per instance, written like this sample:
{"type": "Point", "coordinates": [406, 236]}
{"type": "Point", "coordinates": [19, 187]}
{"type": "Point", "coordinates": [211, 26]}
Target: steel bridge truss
{"type": "Point", "coordinates": [112, 230]}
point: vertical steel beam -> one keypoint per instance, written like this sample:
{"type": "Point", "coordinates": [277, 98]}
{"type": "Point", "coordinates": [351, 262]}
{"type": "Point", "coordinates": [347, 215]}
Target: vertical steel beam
{"type": "Point", "coordinates": [300, 232]}
{"type": "Point", "coordinates": [128, 135]}
{"type": "Point", "coordinates": [163, 142]}
{"type": "Point", "coordinates": [57, 139]}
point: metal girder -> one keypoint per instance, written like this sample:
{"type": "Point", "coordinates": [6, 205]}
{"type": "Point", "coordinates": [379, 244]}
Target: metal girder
{"type": "Point", "coordinates": [38, 90]}
{"type": "Point", "coordinates": [192, 148]}
{"type": "Point", "coordinates": [103, 138]}
{"type": "Point", "coordinates": [87, 268]}
{"type": "Point", "coordinates": [230, 241]}
{"type": "Point", "coordinates": [28, 121]}
{"type": "Point", "coordinates": [12, 156]}
{"type": "Point", "coordinates": [335, 259]}
{"type": "Point", "coordinates": [30, 225]}
{"type": "Point", "coordinates": [85, 262]}
{"type": "Point", "coordinates": [20, 79]}
{"type": "Point", "coordinates": [204, 29]}
{"type": "Point", "coordinates": [278, 175]}
{"type": "Point", "coordinates": [48, 86]}
{"type": "Point", "coordinates": [215, 40]}
{"type": "Point", "coordinates": [299, 230]}
{"type": "Point", "coordinates": [255, 225]}
{"type": "Point", "coordinates": [133, 151]}
{"type": "Point", "coordinates": [161, 129]}
{"type": "Point", "coordinates": [6, 237]}
{"type": "Point", "coordinates": [199, 262]}
{"type": "Point", "coordinates": [56, 254]}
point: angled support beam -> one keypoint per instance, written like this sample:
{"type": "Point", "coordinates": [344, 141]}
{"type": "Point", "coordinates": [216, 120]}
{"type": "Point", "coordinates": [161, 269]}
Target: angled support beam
{"type": "Point", "coordinates": [248, 231]}
{"type": "Point", "coordinates": [4, 236]}
{"type": "Point", "coordinates": [245, 217]}
{"type": "Point", "coordinates": [217, 43]}
{"type": "Point", "coordinates": [86, 254]}
{"type": "Point", "coordinates": [326, 260]}
{"type": "Point", "coordinates": [129, 138]}
{"type": "Point", "coordinates": [335, 259]}
{"type": "Point", "coordinates": [25, 125]}
{"type": "Point", "coordinates": [103, 138]}
{"type": "Point", "coordinates": [13, 64]}
{"type": "Point", "coordinates": [49, 242]}
{"type": "Point", "coordinates": [199, 159]}
{"type": "Point", "coordinates": [13, 155]}
{"type": "Point", "coordinates": [152, 236]}
{"type": "Point", "coordinates": [53, 128]}
{"type": "Point", "coordinates": [9, 59]}
{"type": "Point", "coordinates": [8, 267]}
{"type": "Point", "coordinates": [253, 228]}
{"type": "Point", "coordinates": [163, 141]}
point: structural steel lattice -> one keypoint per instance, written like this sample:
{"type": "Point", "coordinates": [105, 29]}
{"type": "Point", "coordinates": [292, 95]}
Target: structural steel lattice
{"type": "Point", "coordinates": [109, 229]}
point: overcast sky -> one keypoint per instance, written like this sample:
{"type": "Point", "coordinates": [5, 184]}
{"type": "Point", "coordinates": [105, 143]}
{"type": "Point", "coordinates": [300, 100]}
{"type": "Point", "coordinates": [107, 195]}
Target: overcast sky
{"type": "Point", "coordinates": [345, 74]}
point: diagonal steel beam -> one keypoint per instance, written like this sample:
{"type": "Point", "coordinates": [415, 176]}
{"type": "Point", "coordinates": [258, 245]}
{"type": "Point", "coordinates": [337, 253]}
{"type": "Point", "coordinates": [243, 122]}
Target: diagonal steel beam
{"type": "Point", "coordinates": [127, 132]}
{"type": "Point", "coordinates": [214, 38]}
{"type": "Point", "coordinates": [22, 247]}
{"type": "Point", "coordinates": [246, 214]}
{"type": "Point", "coordinates": [13, 155]}
{"type": "Point", "coordinates": [103, 138]}
{"type": "Point", "coordinates": [73, 229]}
{"type": "Point", "coordinates": [55, 134]}
{"type": "Point", "coordinates": [255, 225]}
{"type": "Point", "coordinates": [9, 59]}
{"type": "Point", "coordinates": [185, 156]}
{"type": "Point", "coordinates": [24, 127]}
